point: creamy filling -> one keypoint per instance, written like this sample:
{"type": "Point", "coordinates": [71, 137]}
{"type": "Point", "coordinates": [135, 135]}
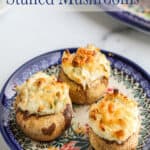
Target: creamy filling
{"type": "Point", "coordinates": [118, 126]}
{"type": "Point", "coordinates": [84, 75]}
{"type": "Point", "coordinates": [42, 95]}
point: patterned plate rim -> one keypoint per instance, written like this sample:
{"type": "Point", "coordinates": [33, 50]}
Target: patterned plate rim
{"type": "Point", "coordinates": [10, 142]}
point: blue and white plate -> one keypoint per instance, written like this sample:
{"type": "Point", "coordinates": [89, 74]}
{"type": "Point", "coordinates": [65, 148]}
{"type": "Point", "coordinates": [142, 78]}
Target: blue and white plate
{"type": "Point", "coordinates": [128, 77]}
{"type": "Point", "coordinates": [136, 16]}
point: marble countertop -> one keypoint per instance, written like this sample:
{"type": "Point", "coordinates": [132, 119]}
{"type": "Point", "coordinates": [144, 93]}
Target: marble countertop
{"type": "Point", "coordinates": [28, 32]}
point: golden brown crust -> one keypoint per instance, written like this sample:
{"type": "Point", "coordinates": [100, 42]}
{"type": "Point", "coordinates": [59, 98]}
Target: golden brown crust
{"type": "Point", "coordinates": [82, 57]}
{"type": "Point", "coordinates": [42, 94]}
{"type": "Point", "coordinates": [44, 128]}
{"type": "Point", "coordinates": [86, 65]}
{"type": "Point", "coordinates": [101, 144]}
{"type": "Point", "coordinates": [90, 94]}
{"type": "Point", "coordinates": [115, 117]}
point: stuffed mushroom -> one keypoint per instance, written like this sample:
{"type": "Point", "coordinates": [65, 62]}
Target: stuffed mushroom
{"type": "Point", "coordinates": [43, 107]}
{"type": "Point", "coordinates": [86, 72]}
{"type": "Point", "coordinates": [114, 123]}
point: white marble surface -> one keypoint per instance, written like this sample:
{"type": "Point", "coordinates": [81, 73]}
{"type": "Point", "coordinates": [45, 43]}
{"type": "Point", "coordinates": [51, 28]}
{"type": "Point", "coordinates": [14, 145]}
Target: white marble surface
{"type": "Point", "coordinates": [28, 32]}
